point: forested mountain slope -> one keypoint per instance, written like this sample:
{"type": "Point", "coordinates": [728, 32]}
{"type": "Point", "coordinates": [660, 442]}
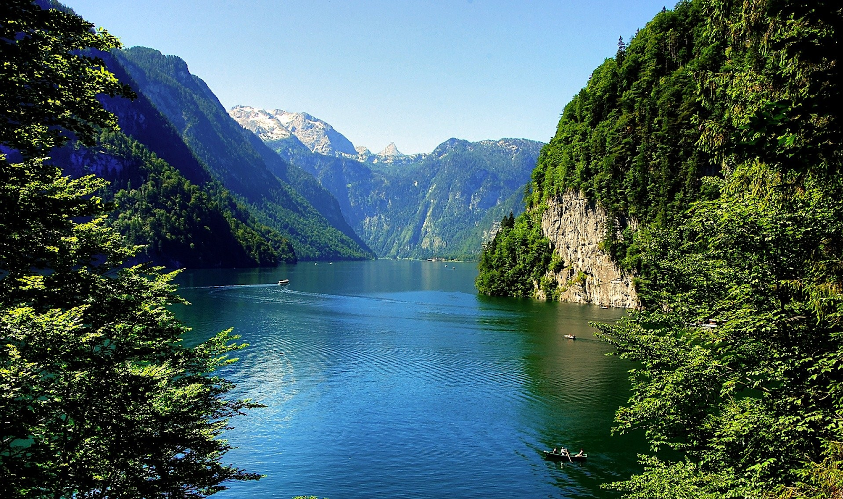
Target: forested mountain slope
{"type": "Point", "coordinates": [713, 141]}
{"type": "Point", "coordinates": [166, 199]}
{"type": "Point", "coordinates": [273, 192]}
{"type": "Point", "coordinates": [442, 204]}
{"type": "Point", "coordinates": [627, 141]}
{"type": "Point", "coordinates": [454, 194]}
{"type": "Point", "coordinates": [180, 224]}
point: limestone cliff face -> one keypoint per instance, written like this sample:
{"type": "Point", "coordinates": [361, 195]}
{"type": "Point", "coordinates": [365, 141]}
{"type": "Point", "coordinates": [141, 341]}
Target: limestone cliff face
{"type": "Point", "coordinates": [576, 226]}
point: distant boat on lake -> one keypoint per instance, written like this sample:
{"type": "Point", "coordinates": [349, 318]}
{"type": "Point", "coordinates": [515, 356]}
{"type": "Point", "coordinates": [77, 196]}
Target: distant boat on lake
{"type": "Point", "coordinates": [283, 282]}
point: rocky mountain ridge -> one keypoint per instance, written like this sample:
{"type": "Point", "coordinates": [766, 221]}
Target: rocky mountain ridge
{"type": "Point", "coordinates": [277, 195]}
{"type": "Point", "coordinates": [440, 204]}
{"type": "Point", "coordinates": [279, 127]}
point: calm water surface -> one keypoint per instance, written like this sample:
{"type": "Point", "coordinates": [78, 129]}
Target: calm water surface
{"type": "Point", "coordinates": [394, 379]}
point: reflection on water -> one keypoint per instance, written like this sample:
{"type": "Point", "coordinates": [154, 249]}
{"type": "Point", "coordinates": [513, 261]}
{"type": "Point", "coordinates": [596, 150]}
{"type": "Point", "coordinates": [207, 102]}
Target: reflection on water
{"type": "Point", "coordinates": [394, 379]}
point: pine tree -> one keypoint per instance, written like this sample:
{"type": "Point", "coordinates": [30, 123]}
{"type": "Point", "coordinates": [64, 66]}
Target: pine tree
{"type": "Point", "coordinates": [621, 50]}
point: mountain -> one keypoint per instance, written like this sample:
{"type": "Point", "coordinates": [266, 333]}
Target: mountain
{"type": "Point", "coordinates": [317, 135]}
{"type": "Point", "coordinates": [626, 155]}
{"type": "Point", "coordinates": [703, 162]}
{"type": "Point", "coordinates": [441, 204]}
{"type": "Point", "coordinates": [166, 199]}
{"type": "Point", "coordinates": [298, 131]}
{"type": "Point", "coordinates": [278, 126]}
{"type": "Point", "coordinates": [277, 195]}
{"type": "Point", "coordinates": [390, 151]}
{"type": "Point", "coordinates": [446, 203]}
{"type": "Point", "coordinates": [179, 224]}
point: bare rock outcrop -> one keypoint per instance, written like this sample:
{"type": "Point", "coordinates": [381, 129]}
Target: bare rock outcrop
{"type": "Point", "coordinates": [576, 226]}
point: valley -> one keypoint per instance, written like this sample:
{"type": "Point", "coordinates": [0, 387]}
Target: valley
{"type": "Point", "coordinates": [441, 204]}
{"type": "Point", "coordinates": [286, 186]}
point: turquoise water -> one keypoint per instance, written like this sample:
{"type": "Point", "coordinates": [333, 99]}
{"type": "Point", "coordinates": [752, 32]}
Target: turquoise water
{"type": "Point", "coordinates": [395, 379]}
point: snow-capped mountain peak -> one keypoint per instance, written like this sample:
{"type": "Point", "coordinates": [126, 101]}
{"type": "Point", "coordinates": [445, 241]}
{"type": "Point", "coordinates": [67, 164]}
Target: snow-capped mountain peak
{"type": "Point", "coordinates": [317, 135]}
{"type": "Point", "coordinates": [267, 126]}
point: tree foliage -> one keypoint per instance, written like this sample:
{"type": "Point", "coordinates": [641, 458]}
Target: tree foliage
{"type": "Point", "coordinates": [43, 64]}
{"type": "Point", "coordinates": [178, 223]}
{"type": "Point", "coordinates": [741, 349]}
{"type": "Point", "coordinates": [165, 198]}
{"type": "Point", "coordinates": [740, 366]}
{"type": "Point", "coordinates": [514, 259]}
{"type": "Point", "coordinates": [628, 139]}
{"type": "Point", "coordinates": [718, 128]}
{"type": "Point", "coordinates": [98, 395]}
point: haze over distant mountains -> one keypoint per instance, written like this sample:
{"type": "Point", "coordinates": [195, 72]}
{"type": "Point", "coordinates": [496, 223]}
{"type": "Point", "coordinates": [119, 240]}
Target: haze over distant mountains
{"type": "Point", "coordinates": [440, 204]}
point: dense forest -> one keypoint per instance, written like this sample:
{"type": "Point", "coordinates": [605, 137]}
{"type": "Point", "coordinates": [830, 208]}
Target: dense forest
{"type": "Point", "coordinates": [717, 131]}
{"type": "Point", "coordinates": [99, 395]}
{"type": "Point", "coordinates": [177, 223]}
{"type": "Point", "coordinates": [628, 140]}
{"type": "Point", "coordinates": [275, 194]}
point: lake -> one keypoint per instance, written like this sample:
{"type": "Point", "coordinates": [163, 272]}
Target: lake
{"type": "Point", "coordinates": [395, 379]}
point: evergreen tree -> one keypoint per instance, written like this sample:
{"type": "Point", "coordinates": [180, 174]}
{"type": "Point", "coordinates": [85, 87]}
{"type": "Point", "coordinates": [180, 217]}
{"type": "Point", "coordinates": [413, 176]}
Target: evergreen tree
{"type": "Point", "coordinates": [98, 396]}
{"type": "Point", "coordinates": [621, 50]}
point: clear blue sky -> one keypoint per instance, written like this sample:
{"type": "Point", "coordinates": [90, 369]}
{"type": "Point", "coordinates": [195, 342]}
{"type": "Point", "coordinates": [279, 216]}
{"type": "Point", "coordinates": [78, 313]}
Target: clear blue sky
{"type": "Point", "coordinates": [412, 72]}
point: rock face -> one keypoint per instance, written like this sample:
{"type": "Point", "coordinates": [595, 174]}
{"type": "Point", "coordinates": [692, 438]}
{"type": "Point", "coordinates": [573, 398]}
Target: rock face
{"type": "Point", "coordinates": [317, 135]}
{"type": "Point", "coordinates": [264, 124]}
{"type": "Point", "coordinates": [390, 151]}
{"type": "Point", "coordinates": [438, 205]}
{"type": "Point", "coordinates": [576, 226]}
{"type": "Point", "coordinates": [281, 129]}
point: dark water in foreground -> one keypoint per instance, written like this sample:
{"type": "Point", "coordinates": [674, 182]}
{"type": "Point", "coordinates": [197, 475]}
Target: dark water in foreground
{"type": "Point", "coordinates": [394, 379]}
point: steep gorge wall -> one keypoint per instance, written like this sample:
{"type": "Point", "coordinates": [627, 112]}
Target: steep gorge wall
{"type": "Point", "coordinates": [576, 227]}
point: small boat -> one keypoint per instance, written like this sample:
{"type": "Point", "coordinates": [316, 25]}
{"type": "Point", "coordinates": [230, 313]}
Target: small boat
{"type": "Point", "coordinates": [283, 282]}
{"type": "Point", "coordinates": [557, 455]}
{"type": "Point", "coordinates": [570, 336]}
{"type": "Point", "coordinates": [564, 455]}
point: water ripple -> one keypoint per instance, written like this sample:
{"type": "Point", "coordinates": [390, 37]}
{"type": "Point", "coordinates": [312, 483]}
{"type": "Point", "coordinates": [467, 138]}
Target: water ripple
{"type": "Point", "coordinates": [413, 393]}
